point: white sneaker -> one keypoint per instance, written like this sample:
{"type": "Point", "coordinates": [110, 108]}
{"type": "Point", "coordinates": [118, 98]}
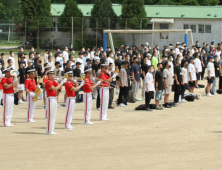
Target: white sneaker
{"type": "Point", "coordinates": [51, 133]}
{"type": "Point", "coordinates": [209, 94]}
{"type": "Point", "coordinates": [70, 128]}
{"type": "Point", "coordinates": [105, 119]}
{"type": "Point", "coordinates": [32, 121]}
{"type": "Point", "coordinates": [10, 125]}
{"type": "Point", "coordinates": [89, 123]}
{"type": "Point", "coordinates": [21, 102]}
{"type": "Point", "coordinates": [177, 103]}
{"type": "Point", "coordinates": [58, 105]}
{"type": "Point", "coordinates": [184, 101]}
{"type": "Point", "coordinates": [122, 105]}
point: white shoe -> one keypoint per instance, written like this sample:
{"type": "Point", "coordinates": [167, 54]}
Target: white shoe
{"type": "Point", "coordinates": [209, 94]}
{"type": "Point", "coordinates": [1, 106]}
{"type": "Point", "coordinates": [58, 105]}
{"type": "Point", "coordinates": [89, 123]}
{"type": "Point", "coordinates": [51, 133]}
{"type": "Point", "coordinates": [70, 127]}
{"type": "Point", "coordinates": [21, 102]}
{"type": "Point", "coordinates": [105, 119]}
{"type": "Point", "coordinates": [122, 105]}
{"type": "Point", "coordinates": [32, 121]}
{"type": "Point", "coordinates": [215, 93]}
{"type": "Point", "coordinates": [10, 125]}
{"type": "Point", "coordinates": [184, 101]}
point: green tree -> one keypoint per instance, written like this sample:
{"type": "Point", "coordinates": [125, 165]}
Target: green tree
{"type": "Point", "coordinates": [65, 20]}
{"type": "Point", "coordinates": [38, 15]}
{"type": "Point", "coordinates": [3, 13]}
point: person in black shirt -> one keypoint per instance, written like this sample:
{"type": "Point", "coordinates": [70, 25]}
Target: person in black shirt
{"type": "Point", "coordinates": [68, 66]}
{"type": "Point", "coordinates": [77, 71]}
{"type": "Point", "coordinates": [111, 89]}
{"type": "Point", "coordinates": [2, 61]}
{"type": "Point", "coordinates": [37, 55]}
{"type": "Point", "coordinates": [88, 64]}
{"type": "Point", "coordinates": [103, 57]}
{"type": "Point", "coordinates": [159, 85]}
{"type": "Point", "coordinates": [29, 67]}
{"type": "Point", "coordinates": [95, 66]}
{"type": "Point", "coordinates": [21, 77]}
{"type": "Point", "coordinates": [20, 53]}
{"type": "Point", "coordinates": [144, 71]}
{"type": "Point", "coordinates": [177, 81]}
{"type": "Point", "coordinates": [217, 74]}
{"type": "Point", "coordinates": [38, 66]}
{"type": "Point", "coordinates": [163, 63]}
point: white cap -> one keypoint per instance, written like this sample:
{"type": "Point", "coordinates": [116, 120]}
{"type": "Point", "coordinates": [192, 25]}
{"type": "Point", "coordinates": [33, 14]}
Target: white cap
{"type": "Point", "coordinates": [48, 67]}
{"type": "Point", "coordinates": [51, 70]}
{"type": "Point", "coordinates": [97, 58]}
{"type": "Point", "coordinates": [104, 65]}
{"type": "Point", "coordinates": [7, 69]}
{"type": "Point", "coordinates": [88, 70]}
{"type": "Point", "coordinates": [32, 70]}
{"type": "Point", "coordinates": [30, 61]}
{"type": "Point", "coordinates": [69, 72]}
{"type": "Point", "coordinates": [147, 43]}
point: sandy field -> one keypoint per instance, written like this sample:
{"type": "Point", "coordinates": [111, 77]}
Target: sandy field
{"type": "Point", "coordinates": [187, 137]}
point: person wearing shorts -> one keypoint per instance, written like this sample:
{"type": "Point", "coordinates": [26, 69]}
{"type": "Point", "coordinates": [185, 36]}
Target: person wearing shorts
{"type": "Point", "coordinates": [21, 80]}
{"type": "Point", "coordinates": [198, 67]}
{"type": "Point", "coordinates": [211, 74]}
{"type": "Point", "coordinates": [191, 75]}
{"type": "Point", "coordinates": [168, 82]}
{"type": "Point", "coordinates": [159, 84]}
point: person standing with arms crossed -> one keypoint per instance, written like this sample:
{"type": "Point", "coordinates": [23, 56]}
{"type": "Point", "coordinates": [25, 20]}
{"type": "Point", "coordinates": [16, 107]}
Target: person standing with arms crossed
{"type": "Point", "coordinates": [51, 87]}
{"type": "Point", "coordinates": [30, 86]}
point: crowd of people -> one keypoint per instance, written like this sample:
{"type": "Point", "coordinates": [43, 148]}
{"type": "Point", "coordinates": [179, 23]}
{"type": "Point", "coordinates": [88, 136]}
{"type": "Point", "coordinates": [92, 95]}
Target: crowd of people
{"type": "Point", "coordinates": [96, 72]}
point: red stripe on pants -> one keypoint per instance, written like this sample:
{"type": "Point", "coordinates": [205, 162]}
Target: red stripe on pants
{"type": "Point", "coordinates": [86, 109]}
{"type": "Point", "coordinates": [67, 113]}
{"type": "Point", "coordinates": [49, 114]}
{"type": "Point", "coordinates": [29, 106]}
{"type": "Point", "coordinates": [4, 109]}
{"type": "Point", "coordinates": [101, 106]}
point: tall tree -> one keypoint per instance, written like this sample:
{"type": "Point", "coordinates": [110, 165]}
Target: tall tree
{"type": "Point", "coordinates": [133, 15]}
{"type": "Point", "coordinates": [65, 20]}
{"type": "Point", "coordinates": [38, 15]}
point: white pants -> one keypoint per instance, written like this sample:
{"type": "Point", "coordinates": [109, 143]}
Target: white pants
{"type": "Point", "coordinates": [95, 93]}
{"type": "Point", "coordinates": [52, 110]}
{"type": "Point", "coordinates": [46, 105]}
{"type": "Point", "coordinates": [143, 89]}
{"type": "Point", "coordinates": [8, 100]}
{"type": "Point", "coordinates": [31, 106]}
{"type": "Point", "coordinates": [70, 106]}
{"type": "Point", "coordinates": [87, 99]}
{"type": "Point", "coordinates": [1, 95]}
{"type": "Point", "coordinates": [215, 83]}
{"type": "Point", "coordinates": [135, 88]}
{"type": "Point", "coordinates": [104, 102]}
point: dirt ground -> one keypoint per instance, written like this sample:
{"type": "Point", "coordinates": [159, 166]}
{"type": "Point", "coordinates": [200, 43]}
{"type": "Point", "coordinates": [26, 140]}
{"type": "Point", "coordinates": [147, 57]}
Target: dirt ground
{"type": "Point", "coordinates": [187, 137]}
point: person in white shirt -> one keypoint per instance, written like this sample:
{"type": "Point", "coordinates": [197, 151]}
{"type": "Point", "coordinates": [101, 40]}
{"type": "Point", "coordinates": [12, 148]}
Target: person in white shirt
{"type": "Point", "coordinates": [149, 94]}
{"type": "Point", "coordinates": [46, 56]}
{"type": "Point", "coordinates": [198, 67]}
{"type": "Point", "coordinates": [148, 62]}
{"type": "Point", "coordinates": [211, 74]}
{"type": "Point", "coordinates": [184, 82]}
{"type": "Point", "coordinates": [12, 58]}
{"type": "Point", "coordinates": [51, 62]}
{"type": "Point", "coordinates": [85, 57]}
{"type": "Point", "coordinates": [65, 55]}
{"type": "Point", "coordinates": [218, 52]}
{"type": "Point", "coordinates": [177, 51]}
{"type": "Point", "coordinates": [110, 59]}
{"type": "Point", "coordinates": [193, 49]}
{"type": "Point", "coordinates": [191, 75]}
{"type": "Point", "coordinates": [60, 59]}
{"type": "Point", "coordinates": [92, 53]}
{"type": "Point", "coordinates": [80, 60]}
{"type": "Point", "coordinates": [171, 69]}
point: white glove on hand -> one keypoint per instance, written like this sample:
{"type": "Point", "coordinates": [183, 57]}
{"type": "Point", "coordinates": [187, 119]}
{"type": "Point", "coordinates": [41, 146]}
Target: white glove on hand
{"type": "Point", "coordinates": [114, 75]}
{"type": "Point", "coordinates": [99, 82]}
{"type": "Point", "coordinates": [32, 94]}
{"type": "Point", "coordinates": [63, 81]}
{"type": "Point", "coordinates": [15, 80]}
{"type": "Point", "coordinates": [82, 83]}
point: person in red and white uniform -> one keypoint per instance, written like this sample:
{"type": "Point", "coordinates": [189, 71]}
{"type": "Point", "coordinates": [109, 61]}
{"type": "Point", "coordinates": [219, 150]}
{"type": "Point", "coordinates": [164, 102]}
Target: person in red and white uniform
{"type": "Point", "coordinates": [87, 96]}
{"type": "Point", "coordinates": [104, 91]}
{"type": "Point", "coordinates": [1, 88]}
{"type": "Point", "coordinates": [8, 96]}
{"type": "Point", "coordinates": [30, 86]}
{"type": "Point", "coordinates": [51, 87]}
{"type": "Point", "coordinates": [71, 86]}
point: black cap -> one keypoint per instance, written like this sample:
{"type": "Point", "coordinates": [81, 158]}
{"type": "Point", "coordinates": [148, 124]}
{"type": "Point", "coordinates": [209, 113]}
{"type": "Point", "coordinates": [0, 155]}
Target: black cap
{"type": "Point", "coordinates": [118, 49]}
{"type": "Point", "coordinates": [124, 62]}
{"type": "Point", "coordinates": [88, 59]}
{"type": "Point", "coordinates": [130, 49]}
{"type": "Point", "coordinates": [119, 55]}
{"type": "Point", "coordinates": [78, 63]}
{"type": "Point", "coordinates": [80, 53]}
{"type": "Point", "coordinates": [135, 58]}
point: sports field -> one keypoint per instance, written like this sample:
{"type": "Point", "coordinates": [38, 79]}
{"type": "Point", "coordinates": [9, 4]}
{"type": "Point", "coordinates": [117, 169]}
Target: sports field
{"type": "Point", "coordinates": [187, 137]}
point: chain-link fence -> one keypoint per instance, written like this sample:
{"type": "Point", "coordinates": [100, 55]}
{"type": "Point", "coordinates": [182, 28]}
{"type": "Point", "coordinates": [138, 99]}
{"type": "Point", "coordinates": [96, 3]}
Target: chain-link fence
{"type": "Point", "coordinates": [75, 32]}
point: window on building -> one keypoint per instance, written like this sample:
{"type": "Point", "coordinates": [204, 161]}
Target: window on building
{"type": "Point", "coordinates": [207, 28]}
{"type": "Point", "coordinates": [200, 28]}
{"type": "Point", "coordinates": [185, 26]}
{"type": "Point", "coordinates": [164, 26]}
{"type": "Point", "coordinates": [193, 28]}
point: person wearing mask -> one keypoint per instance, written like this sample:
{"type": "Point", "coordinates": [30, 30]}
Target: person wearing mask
{"type": "Point", "coordinates": [50, 61]}
{"type": "Point", "coordinates": [46, 56]}
{"type": "Point", "coordinates": [163, 62]}
{"type": "Point", "coordinates": [217, 74]}
{"type": "Point", "coordinates": [31, 56]}
{"type": "Point", "coordinates": [72, 52]}
{"type": "Point", "coordinates": [118, 63]}
{"type": "Point", "coordinates": [37, 55]}
{"type": "Point", "coordinates": [184, 82]}
{"type": "Point", "coordinates": [60, 59]}
{"type": "Point", "coordinates": [135, 72]}
{"type": "Point", "coordinates": [73, 61]}
{"type": "Point", "coordinates": [21, 78]}
{"type": "Point", "coordinates": [168, 82]}
{"type": "Point", "coordinates": [68, 66]}
{"type": "Point", "coordinates": [110, 58]}
{"type": "Point", "coordinates": [211, 75]}
{"type": "Point", "coordinates": [198, 67]}
{"type": "Point", "coordinates": [111, 87]}
{"type": "Point", "coordinates": [29, 67]}
{"type": "Point", "coordinates": [191, 75]}
{"type": "Point", "coordinates": [80, 60]}
{"type": "Point", "coordinates": [20, 53]}
{"type": "Point", "coordinates": [144, 71]}
{"type": "Point", "coordinates": [88, 64]}
{"type": "Point", "coordinates": [170, 58]}
{"type": "Point", "coordinates": [38, 67]}
{"type": "Point", "coordinates": [177, 81]}
{"type": "Point", "coordinates": [149, 94]}
{"type": "Point", "coordinates": [2, 61]}
{"type": "Point", "coordinates": [77, 70]}
{"type": "Point", "coordinates": [92, 53]}
{"type": "Point", "coordinates": [159, 85]}
{"type": "Point", "coordinates": [11, 53]}
{"type": "Point", "coordinates": [10, 62]}
{"type": "Point", "coordinates": [31, 50]}
{"type": "Point", "coordinates": [65, 55]}
{"type": "Point", "coordinates": [203, 58]}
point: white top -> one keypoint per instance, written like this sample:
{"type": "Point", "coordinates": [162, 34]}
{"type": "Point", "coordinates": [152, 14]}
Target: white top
{"type": "Point", "coordinates": [184, 74]}
{"type": "Point", "coordinates": [197, 64]}
{"type": "Point", "coordinates": [210, 67]}
{"type": "Point", "coordinates": [46, 57]}
{"type": "Point", "coordinates": [51, 64]}
{"type": "Point", "coordinates": [82, 64]}
{"type": "Point", "coordinates": [148, 62]}
{"type": "Point", "coordinates": [191, 69]}
{"type": "Point", "coordinates": [110, 60]}
{"type": "Point", "coordinates": [61, 62]}
{"type": "Point", "coordinates": [149, 80]}
{"type": "Point", "coordinates": [218, 53]}
{"type": "Point", "coordinates": [13, 59]}
{"type": "Point", "coordinates": [26, 62]}
{"type": "Point", "coordinates": [92, 54]}
{"type": "Point", "coordinates": [171, 69]}
{"type": "Point", "coordinates": [192, 51]}
{"type": "Point", "coordinates": [84, 60]}
{"type": "Point", "coordinates": [177, 51]}
{"type": "Point", "coordinates": [65, 55]}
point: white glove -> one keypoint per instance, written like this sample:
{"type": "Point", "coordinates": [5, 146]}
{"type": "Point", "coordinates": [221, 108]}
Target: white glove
{"type": "Point", "coordinates": [32, 94]}
{"type": "Point", "coordinates": [63, 81]}
{"type": "Point", "coordinates": [15, 80]}
{"type": "Point", "coordinates": [114, 75]}
{"type": "Point", "coordinates": [74, 81]}
{"type": "Point", "coordinates": [82, 83]}
{"type": "Point", "coordinates": [99, 82]}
